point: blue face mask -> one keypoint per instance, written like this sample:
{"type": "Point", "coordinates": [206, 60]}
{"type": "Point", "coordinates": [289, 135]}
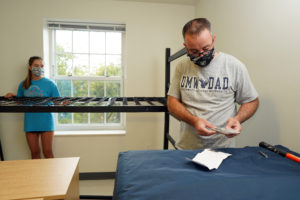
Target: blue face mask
{"type": "Point", "coordinates": [37, 71]}
{"type": "Point", "coordinates": [203, 60]}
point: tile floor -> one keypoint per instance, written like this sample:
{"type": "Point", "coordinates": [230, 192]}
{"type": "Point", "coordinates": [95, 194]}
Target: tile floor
{"type": "Point", "coordinates": [96, 187]}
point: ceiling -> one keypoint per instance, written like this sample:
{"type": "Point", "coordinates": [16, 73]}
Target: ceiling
{"type": "Point", "coordinates": [181, 2]}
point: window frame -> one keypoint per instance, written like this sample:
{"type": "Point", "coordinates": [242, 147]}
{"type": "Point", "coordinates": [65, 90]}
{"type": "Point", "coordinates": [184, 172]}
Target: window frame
{"type": "Point", "coordinates": [54, 76]}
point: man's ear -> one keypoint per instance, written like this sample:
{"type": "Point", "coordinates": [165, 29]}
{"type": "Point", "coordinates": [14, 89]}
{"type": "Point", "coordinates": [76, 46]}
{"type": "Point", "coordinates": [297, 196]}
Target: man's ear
{"type": "Point", "coordinates": [214, 37]}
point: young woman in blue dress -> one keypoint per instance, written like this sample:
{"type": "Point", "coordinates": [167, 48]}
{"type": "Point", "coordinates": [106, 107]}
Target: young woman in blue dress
{"type": "Point", "coordinates": [38, 126]}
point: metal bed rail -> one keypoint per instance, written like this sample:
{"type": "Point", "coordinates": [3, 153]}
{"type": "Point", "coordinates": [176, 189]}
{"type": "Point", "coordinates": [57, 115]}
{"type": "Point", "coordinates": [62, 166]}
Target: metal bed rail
{"type": "Point", "coordinates": [83, 104]}
{"type": "Point", "coordinates": [168, 59]}
{"type": "Point", "coordinates": [178, 54]}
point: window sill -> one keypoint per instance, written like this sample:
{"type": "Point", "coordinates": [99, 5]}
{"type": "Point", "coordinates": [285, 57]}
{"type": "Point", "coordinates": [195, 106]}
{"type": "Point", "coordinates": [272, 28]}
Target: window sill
{"type": "Point", "coordinates": [89, 132]}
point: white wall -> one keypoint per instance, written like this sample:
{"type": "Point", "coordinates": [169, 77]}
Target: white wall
{"type": "Point", "coordinates": [264, 34]}
{"type": "Point", "coordinates": [150, 28]}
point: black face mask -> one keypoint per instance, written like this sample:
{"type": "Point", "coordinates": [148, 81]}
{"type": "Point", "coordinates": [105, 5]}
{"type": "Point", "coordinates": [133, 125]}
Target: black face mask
{"type": "Point", "coordinates": [204, 60]}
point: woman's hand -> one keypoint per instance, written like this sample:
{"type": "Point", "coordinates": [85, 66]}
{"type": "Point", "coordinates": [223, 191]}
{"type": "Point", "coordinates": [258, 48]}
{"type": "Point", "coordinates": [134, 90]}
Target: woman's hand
{"type": "Point", "coordinates": [10, 95]}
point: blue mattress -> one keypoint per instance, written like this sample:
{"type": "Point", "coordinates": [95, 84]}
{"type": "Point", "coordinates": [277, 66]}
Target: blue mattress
{"type": "Point", "coordinates": [167, 175]}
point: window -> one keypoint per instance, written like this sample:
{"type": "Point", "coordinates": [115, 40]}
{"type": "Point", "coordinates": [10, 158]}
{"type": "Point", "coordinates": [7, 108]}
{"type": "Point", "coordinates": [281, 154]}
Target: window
{"type": "Point", "coordinates": [87, 61]}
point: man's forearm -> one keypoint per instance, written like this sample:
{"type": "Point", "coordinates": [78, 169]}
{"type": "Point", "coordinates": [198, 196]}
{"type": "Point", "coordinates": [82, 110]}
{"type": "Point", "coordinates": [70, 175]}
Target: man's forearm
{"type": "Point", "coordinates": [177, 109]}
{"type": "Point", "coordinates": [247, 110]}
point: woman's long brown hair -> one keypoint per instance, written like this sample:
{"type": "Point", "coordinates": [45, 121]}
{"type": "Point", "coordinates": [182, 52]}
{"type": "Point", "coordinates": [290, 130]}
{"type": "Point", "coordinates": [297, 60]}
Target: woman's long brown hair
{"type": "Point", "coordinates": [27, 80]}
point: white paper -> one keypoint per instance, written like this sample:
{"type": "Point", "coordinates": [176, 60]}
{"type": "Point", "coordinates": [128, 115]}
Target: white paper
{"type": "Point", "coordinates": [210, 158]}
{"type": "Point", "coordinates": [225, 131]}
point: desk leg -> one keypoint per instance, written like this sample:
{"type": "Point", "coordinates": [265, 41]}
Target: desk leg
{"type": "Point", "coordinates": [73, 191]}
{"type": "Point", "coordinates": [1, 152]}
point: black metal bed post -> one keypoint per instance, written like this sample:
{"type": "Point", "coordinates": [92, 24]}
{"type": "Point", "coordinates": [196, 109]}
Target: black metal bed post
{"type": "Point", "coordinates": [1, 152]}
{"type": "Point", "coordinates": [167, 84]}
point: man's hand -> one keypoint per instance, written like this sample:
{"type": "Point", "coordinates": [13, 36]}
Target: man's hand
{"type": "Point", "coordinates": [235, 125]}
{"type": "Point", "coordinates": [202, 126]}
{"type": "Point", "coordinates": [245, 112]}
{"type": "Point", "coordinates": [177, 109]}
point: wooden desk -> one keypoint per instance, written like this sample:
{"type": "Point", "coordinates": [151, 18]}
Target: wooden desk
{"type": "Point", "coordinates": [56, 178]}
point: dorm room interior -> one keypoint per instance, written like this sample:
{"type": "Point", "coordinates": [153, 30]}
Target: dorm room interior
{"type": "Point", "coordinates": [113, 62]}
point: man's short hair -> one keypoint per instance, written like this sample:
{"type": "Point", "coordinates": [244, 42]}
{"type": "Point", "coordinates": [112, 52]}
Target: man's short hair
{"type": "Point", "coordinates": [195, 26]}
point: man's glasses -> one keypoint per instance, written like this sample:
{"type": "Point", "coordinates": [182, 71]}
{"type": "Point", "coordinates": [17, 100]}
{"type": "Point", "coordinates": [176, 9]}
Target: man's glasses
{"type": "Point", "coordinates": [196, 53]}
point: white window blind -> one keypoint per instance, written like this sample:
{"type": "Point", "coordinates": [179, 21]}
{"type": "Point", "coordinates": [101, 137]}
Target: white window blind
{"type": "Point", "coordinates": [86, 26]}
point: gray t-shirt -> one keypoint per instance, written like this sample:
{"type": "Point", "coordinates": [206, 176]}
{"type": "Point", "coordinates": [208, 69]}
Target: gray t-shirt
{"type": "Point", "coordinates": [211, 93]}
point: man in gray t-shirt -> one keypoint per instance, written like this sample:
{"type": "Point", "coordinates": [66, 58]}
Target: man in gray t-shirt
{"type": "Point", "coordinates": [205, 89]}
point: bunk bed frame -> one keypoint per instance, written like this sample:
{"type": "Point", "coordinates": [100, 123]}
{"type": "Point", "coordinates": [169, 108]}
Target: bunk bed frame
{"type": "Point", "coordinates": [97, 105]}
